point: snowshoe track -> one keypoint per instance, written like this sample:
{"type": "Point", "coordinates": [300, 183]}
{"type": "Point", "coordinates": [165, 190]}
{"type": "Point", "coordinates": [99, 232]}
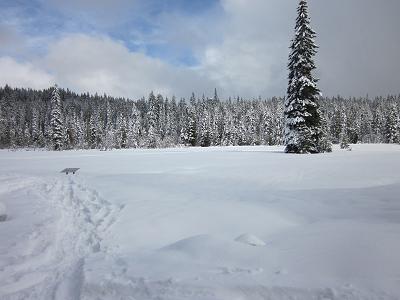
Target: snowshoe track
{"type": "Point", "coordinates": [52, 266]}
{"type": "Point", "coordinates": [91, 216]}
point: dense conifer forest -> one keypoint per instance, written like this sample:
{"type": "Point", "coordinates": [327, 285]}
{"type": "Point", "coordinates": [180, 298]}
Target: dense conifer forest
{"type": "Point", "coordinates": [28, 117]}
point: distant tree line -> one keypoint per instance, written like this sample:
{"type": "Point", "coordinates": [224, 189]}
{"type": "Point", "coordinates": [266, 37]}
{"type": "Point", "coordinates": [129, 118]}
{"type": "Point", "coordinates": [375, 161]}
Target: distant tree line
{"type": "Point", "coordinates": [60, 119]}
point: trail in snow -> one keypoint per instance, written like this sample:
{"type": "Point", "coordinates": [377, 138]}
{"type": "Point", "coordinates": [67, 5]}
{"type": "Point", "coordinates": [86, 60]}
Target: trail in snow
{"type": "Point", "coordinates": [48, 262]}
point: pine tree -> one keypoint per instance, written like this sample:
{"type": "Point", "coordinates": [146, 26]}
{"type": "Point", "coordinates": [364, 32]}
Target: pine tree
{"type": "Point", "coordinates": [153, 113]}
{"type": "Point", "coordinates": [205, 135]}
{"type": "Point", "coordinates": [343, 137]}
{"type": "Point", "coordinates": [172, 122]}
{"type": "Point", "coordinates": [278, 122]}
{"type": "Point", "coordinates": [191, 131]}
{"type": "Point", "coordinates": [134, 128]}
{"type": "Point", "coordinates": [379, 123]}
{"type": "Point", "coordinates": [79, 130]}
{"type": "Point", "coordinates": [183, 122]}
{"type": "Point", "coordinates": [69, 138]}
{"type": "Point", "coordinates": [192, 122]}
{"type": "Point", "coordinates": [122, 134]}
{"type": "Point", "coordinates": [35, 128]}
{"type": "Point", "coordinates": [93, 134]}
{"type": "Point", "coordinates": [108, 132]}
{"type": "Point", "coordinates": [303, 130]}
{"type": "Point", "coordinates": [228, 136]}
{"type": "Point", "coordinates": [56, 122]}
{"type": "Point", "coordinates": [392, 126]}
{"type": "Point", "coordinates": [324, 142]}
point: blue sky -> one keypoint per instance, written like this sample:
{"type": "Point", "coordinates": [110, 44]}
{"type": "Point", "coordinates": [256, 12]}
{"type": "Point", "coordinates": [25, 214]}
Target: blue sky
{"type": "Point", "coordinates": [129, 23]}
{"type": "Point", "coordinates": [129, 47]}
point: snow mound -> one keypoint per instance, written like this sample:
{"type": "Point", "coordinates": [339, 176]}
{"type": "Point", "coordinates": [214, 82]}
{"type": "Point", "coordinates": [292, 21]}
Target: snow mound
{"type": "Point", "coordinates": [3, 213]}
{"type": "Point", "coordinates": [192, 243]}
{"type": "Point", "coordinates": [204, 246]}
{"type": "Point", "coordinates": [251, 240]}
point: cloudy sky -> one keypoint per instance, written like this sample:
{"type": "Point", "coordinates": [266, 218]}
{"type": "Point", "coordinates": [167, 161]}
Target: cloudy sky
{"type": "Point", "coordinates": [130, 47]}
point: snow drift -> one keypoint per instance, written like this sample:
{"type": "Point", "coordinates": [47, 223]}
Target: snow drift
{"type": "Point", "coordinates": [250, 239]}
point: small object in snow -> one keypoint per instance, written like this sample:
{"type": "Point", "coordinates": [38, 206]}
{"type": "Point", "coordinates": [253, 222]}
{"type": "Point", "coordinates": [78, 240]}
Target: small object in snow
{"type": "Point", "coordinates": [3, 214]}
{"type": "Point", "coordinates": [251, 240]}
{"type": "Point", "coordinates": [69, 170]}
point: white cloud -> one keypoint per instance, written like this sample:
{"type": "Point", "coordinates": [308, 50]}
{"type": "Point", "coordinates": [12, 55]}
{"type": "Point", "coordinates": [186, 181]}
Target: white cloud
{"type": "Point", "coordinates": [100, 64]}
{"type": "Point", "coordinates": [250, 61]}
{"type": "Point", "coordinates": [26, 75]}
{"type": "Point", "coordinates": [241, 48]}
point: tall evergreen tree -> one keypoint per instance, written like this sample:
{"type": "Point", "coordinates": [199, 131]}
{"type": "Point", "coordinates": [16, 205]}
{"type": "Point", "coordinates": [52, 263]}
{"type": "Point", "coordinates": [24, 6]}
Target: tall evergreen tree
{"type": "Point", "coordinates": [392, 126]}
{"type": "Point", "coordinates": [134, 128]}
{"type": "Point", "coordinates": [205, 135]}
{"type": "Point", "coordinates": [93, 134]}
{"type": "Point", "coordinates": [153, 121]}
{"type": "Point", "coordinates": [35, 127]}
{"type": "Point", "coordinates": [108, 133]}
{"type": "Point", "coordinates": [192, 122]}
{"type": "Point", "coordinates": [56, 122]}
{"type": "Point", "coordinates": [343, 137]}
{"type": "Point", "coordinates": [303, 132]}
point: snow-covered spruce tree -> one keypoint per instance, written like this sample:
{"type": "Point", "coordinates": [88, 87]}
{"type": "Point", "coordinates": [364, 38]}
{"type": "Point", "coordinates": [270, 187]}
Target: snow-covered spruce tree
{"type": "Point", "coordinates": [153, 138]}
{"type": "Point", "coordinates": [56, 122]}
{"type": "Point", "coordinates": [108, 129]}
{"type": "Point", "coordinates": [35, 128]}
{"type": "Point", "coordinates": [134, 128]}
{"type": "Point", "coordinates": [93, 134]}
{"type": "Point", "coordinates": [343, 136]}
{"type": "Point", "coordinates": [303, 131]}
{"type": "Point", "coordinates": [192, 122]}
{"type": "Point", "coordinates": [205, 136]}
{"type": "Point", "coordinates": [392, 125]}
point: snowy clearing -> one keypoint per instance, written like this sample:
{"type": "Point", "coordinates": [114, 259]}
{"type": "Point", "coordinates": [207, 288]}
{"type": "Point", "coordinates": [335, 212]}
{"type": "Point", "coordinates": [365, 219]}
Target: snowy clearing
{"type": "Point", "coordinates": [3, 212]}
{"type": "Point", "coordinates": [216, 223]}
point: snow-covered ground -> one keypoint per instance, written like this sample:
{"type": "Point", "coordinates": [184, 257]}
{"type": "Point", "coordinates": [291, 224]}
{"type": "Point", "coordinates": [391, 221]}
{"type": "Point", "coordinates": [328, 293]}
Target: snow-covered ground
{"type": "Point", "coordinates": [217, 223]}
{"type": "Point", "coordinates": [3, 212]}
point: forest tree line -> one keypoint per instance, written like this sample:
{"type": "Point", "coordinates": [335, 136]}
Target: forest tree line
{"type": "Point", "coordinates": [103, 122]}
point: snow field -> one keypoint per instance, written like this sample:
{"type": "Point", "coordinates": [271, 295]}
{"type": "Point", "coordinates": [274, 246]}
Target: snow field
{"type": "Point", "coordinates": [3, 212]}
{"type": "Point", "coordinates": [217, 223]}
